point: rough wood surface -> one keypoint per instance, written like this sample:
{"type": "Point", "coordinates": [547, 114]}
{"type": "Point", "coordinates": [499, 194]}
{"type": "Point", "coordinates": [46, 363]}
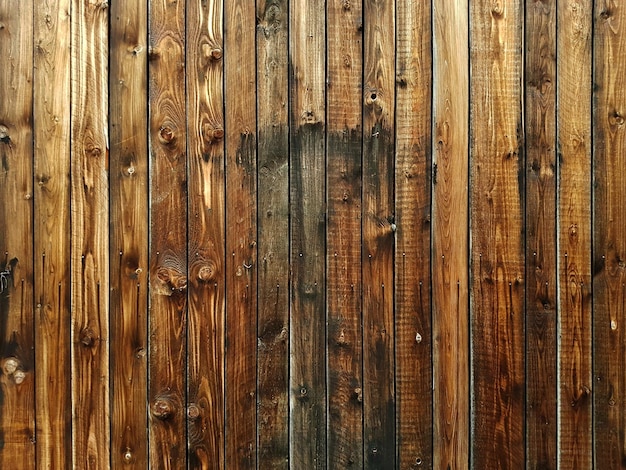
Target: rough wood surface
{"type": "Point", "coordinates": [307, 334]}
{"type": "Point", "coordinates": [609, 231]}
{"type": "Point", "coordinates": [167, 320]}
{"type": "Point", "coordinates": [17, 359]}
{"type": "Point", "coordinates": [343, 246]}
{"type": "Point", "coordinates": [241, 234]}
{"type": "Point", "coordinates": [497, 238]}
{"type": "Point", "coordinates": [51, 121]}
{"type": "Point", "coordinates": [574, 234]}
{"type": "Point", "coordinates": [541, 301]}
{"type": "Point", "coordinates": [129, 233]}
{"type": "Point", "coordinates": [378, 231]}
{"type": "Point", "coordinates": [450, 257]}
{"type": "Point", "coordinates": [90, 235]}
{"type": "Point", "coordinates": [273, 232]}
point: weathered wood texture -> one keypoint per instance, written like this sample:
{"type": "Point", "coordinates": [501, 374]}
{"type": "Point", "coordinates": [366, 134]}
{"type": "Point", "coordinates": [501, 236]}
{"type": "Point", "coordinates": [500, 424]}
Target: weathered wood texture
{"type": "Point", "coordinates": [299, 234]}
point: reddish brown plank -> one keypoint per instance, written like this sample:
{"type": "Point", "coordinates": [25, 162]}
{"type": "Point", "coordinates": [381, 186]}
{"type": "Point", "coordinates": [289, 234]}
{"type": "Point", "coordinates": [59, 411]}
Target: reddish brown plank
{"type": "Point", "coordinates": [129, 232]}
{"type": "Point", "coordinates": [51, 121]}
{"type": "Point", "coordinates": [241, 234]}
{"type": "Point", "coordinates": [90, 230]}
{"type": "Point", "coordinates": [541, 301]}
{"type": "Point", "coordinates": [574, 234]}
{"type": "Point", "coordinates": [17, 361]}
{"type": "Point", "coordinates": [343, 241]}
{"type": "Point", "coordinates": [273, 231]}
{"type": "Point", "coordinates": [609, 236]}
{"type": "Point", "coordinates": [206, 242]}
{"type": "Point", "coordinates": [497, 241]}
{"type": "Point", "coordinates": [167, 317]}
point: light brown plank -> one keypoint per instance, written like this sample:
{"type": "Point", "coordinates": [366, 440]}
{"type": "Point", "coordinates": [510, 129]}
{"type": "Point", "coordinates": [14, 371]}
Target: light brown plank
{"type": "Point", "coordinates": [541, 300]}
{"type": "Point", "coordinates": [51, 121]}
{"type": "Point", "coordinates": [167, 319]}
{"type": "Point", "coordinates": [450, 258]}
{"type": "Point", "coordinates": [378, 234]}
{"type": "Point", "coordinates": [17, 361]}
{"type": "Point", "coordinates": [497, 224]}
{"type": "Point", "coordinates": [128, 253]}
{"type": "Point", "coordinates": [343, 241]}
{"type": "Point", "coordinates": [241, 234]}
{"type": "Point", "coordinates": [90, 235]}
{"type": "Point", "coordinates": [205, 127]}
{"type": "Point", "coordinates": [273, 230]}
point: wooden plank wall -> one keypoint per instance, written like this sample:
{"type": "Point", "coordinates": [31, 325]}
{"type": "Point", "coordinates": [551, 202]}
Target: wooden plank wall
{"type": "Point", "coordinates": [296, 234]}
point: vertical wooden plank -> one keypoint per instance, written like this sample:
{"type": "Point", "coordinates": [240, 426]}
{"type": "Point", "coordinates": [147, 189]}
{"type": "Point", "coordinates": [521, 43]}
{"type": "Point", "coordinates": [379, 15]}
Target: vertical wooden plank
{"type": "Point", "coordinates": [307, 381]}
{"type": "Point", "coordinates": [167, 319]}
{"type": "Point", "coordinates": [206, 234]}
{"type": "Point", "coordinates": [414, 381]}
{"type": "Point", "coordinates": [51, 120]}
{"type": "Point", "coordinates": [273, 231]}
{"type": "Point", "coordinates": [17, 379]}
{"type": "Point", "coordinates": [343, 242]}
{"type": "Point", "coordinates": [378, 225]}
{"type": "Point", "coordinates": [241, 234]}
{"type": "Point", "coordinates": [90, 230]}
{"type": "Point", "coordinates": [450, 263]}
{"type": "Point", "coordinates": [609, 232]}
{"type": "Point", "coordinates": [541, 302]}
{"type": "Point", "coordinates": [497, 225]}
{"type": "Point", "coordinates": [129, 232]}
{"type": "Point", "coordinates": [574, 233]}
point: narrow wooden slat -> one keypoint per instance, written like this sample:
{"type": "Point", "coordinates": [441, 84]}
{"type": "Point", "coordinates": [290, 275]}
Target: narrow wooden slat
{"type": "Point", "coordinates": [450, 259]}
{"type": "Point", "coordinates": [167, 317]}
{"type": "Point", "coordinates": [17, 361]}
{"type": "Point", "coordinates": [307, 374]}
{"type": "Point", "coordinates": [609, 232]}
{"type": "Point", "coordinates": [128, 254]}
{"type": "Point", "coordinates": [206, 242]}
{"type": "Point", "coordinates": [497, 224]}
{"type": "Point", "coordinates": [343, 245]}
{"type": "Point", "coordinates": [413, 339]}
{"type": "Point", "coordinates": [90, 230]}
{"type": "Point", "coordinates": [541, 302]}
{"type": "Point", "coordinates": [51, 121]}
{"type": "Point", "coordinates": [574, 234]}
{"type": "Point", "coordinates": [273, 230]}
{"type": "Point", "coordinates": [378, 226]}
{"type": "Point", "coordinates": [241, 234]}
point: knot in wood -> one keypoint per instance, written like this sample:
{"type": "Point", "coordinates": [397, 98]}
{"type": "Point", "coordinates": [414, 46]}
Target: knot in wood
{"type": "Point", "coordinates": [358, 394]}
{"type": "Point", "coordinates": [19, 377]}
{"type": "Point", "coordinates": [4, 134]}
{"type": "Point", "coordinates": [166, 135]}
{"type": "Point", "coordinates": [128, 456]}
{"type": "Point", "coordinates": [93, 150]}
{"type": "Point", "coordinates": [11, 365]}
{"type": "Point", "coordinates": [216, 53]}
{"type": "Point", "coordinates": [497, 11]}
{"type": "Point", "coordinates": [193, 411]}
{"type": "Point", "coordinates": [212, 134]}
{"type": "Point", "coordinates": [87, 337]}
{"type": "Point", "coordinates": [616, 119]}
{"type": "Point", "coordinates": [162, 409]}
{"type": "Point", "coordinates": [346, 4]}
{"type": "Point", "coordinates": [207, 272]}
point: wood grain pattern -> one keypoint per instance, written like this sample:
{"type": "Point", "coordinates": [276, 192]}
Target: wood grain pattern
{"type": "Point", "coordinates": [206, 234]}
{"type": "Point", "coordinates": [414, 382]}
{"type": "Point", "coordinates": [17, 361]}
{"type": "Point", "coordinates": [609, 243]}
{"type": "Point", "coordinates": [541, 300]}
{"type": "Point", "coordinates": [129, 233]}
{"type": "Point", "coordinates": [51, 132]}
{"type": "Point", "coordinates": [273, 231]}
{"type": "Point", "coordinates": [497, 241]}
{"type": "Point", "coordinates": [574, 234]}
{"type": "Point", "coordinates": [450, 257]}
{"type": "Point", "coordinates": [241, 234]}
{"type": "Point", "coordinates": [378, 222]}
{"type": "Point", "coordinates": [307, 333]}
{"type": "Point", "coordinates": [167, 321]}
{"type": "Point", "coordinates": [90, 235]}
{"type": "Point", "coordinates": [343, 241]}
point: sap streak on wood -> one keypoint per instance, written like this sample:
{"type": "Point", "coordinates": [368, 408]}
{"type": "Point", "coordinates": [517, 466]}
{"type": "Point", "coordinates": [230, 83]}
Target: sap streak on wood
{"type": "Point", "coordinates": [541, 304]}
{"type": "Point", "coordinates": [497, 221]}
{"type": "Point", "coordinates": [128, 252]}
{"type": "Point", "coordinates": [90, 235]}
{"type": "Point", "coordinates": [168, 232]}
{"type": "Point", "coordinates": [17, 361]}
